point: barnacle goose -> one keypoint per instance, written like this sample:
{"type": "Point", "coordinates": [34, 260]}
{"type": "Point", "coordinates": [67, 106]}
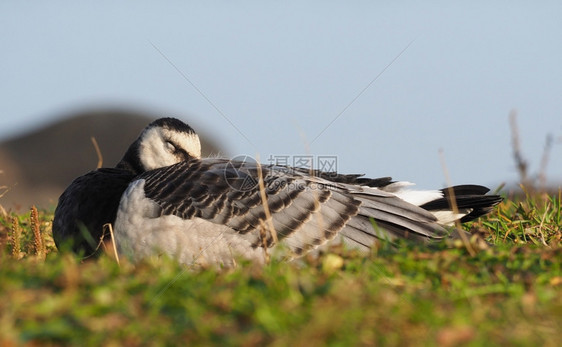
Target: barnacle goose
{"type": "Point", "coordinates": [163, 198]}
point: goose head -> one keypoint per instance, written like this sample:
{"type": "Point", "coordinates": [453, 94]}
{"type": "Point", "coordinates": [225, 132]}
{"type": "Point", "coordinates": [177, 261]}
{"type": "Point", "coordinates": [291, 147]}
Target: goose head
{"type": "Point", "coordinates": [164, 142]}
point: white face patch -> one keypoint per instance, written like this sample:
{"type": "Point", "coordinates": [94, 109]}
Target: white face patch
{"type": "Point", "coordinates": [188, 142]}
{"type": "Point", "coordinates": [158, 147]}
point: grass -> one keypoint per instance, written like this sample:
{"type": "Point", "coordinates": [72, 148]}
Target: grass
{"type": "Point", "coordinates": [441, 295]}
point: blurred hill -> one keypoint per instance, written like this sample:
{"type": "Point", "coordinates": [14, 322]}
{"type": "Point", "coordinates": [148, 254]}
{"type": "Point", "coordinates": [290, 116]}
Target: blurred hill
{"type": "Point", "coordinates": [36, 167]}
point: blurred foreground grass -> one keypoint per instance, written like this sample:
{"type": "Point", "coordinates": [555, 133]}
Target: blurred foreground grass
{"type": "Point", "coordinates": [445, 295]}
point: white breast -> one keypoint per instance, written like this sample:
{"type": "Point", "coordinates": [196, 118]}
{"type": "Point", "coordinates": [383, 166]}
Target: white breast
{"type": "Point", "coordinates": [140, 232]}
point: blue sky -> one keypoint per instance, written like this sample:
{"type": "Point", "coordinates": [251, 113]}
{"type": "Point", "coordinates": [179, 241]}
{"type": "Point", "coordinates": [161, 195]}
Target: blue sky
{"type": "Point", "coordinates": [269, 77]}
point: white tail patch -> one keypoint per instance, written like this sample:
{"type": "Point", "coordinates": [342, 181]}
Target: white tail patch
{"type": "Point", "coordinates": [414, 197]}
{"type": "Point", "coordinates": [447, 217]}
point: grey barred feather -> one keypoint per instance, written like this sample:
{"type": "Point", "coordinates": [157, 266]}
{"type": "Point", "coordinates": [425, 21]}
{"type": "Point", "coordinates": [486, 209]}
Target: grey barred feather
{"type": "Point", "coordinates": [306, 211]}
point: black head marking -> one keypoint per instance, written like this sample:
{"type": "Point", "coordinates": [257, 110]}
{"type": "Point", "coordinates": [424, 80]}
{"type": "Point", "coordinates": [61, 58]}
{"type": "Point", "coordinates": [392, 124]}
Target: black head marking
{"type": "Point", "coordinates": [171, 124]}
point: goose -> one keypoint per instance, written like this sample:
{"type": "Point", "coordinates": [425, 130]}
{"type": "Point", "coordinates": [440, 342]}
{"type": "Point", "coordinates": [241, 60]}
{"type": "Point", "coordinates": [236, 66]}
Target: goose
{"type": "Point", "coordinates": [163, 198]}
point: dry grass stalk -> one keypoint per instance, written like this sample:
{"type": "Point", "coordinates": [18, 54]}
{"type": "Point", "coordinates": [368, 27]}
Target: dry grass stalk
{"type": "Point", "coordinates": [539, 180]}
{"type": "Point", "coordinates": [39, 243]}
{"type": "Point", "coordinates": [38, 240]}
{"type": "Point", "coordinates": [16, 237]}
{"type": "Point", "coordinates": [263, 195]}
{"type": "Point", "coordinates": [113, 245]}
{"type": "Point", "coordinates": [3, 191]}
{"type": "Point", "coordinates": [520, 162]}
{"type": "Point", "coordinates": [454, 206]}
{"type": "Point", "coordinates": [544, 162]}
{"type": "Point", "coordinates": [109, 246]}
{"type": "Point", "coordinates": [98, 152]}
{"type": "Point", "coordinates": [263, 237]}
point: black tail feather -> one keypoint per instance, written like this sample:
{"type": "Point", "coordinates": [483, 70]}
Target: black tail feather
{"type": "Point", "coordinates": [466, 197]}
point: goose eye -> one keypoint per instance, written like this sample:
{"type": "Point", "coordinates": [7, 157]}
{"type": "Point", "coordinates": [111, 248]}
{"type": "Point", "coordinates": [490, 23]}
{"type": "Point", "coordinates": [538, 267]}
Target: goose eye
{"type": "Point", "coordinates": [170, 146]}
